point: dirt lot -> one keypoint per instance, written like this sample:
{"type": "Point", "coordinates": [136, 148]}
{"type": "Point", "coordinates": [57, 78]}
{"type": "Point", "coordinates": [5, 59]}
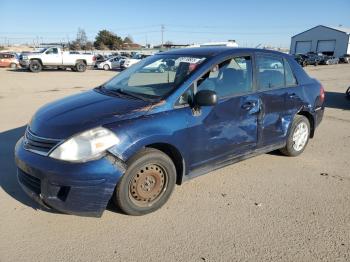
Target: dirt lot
{"type": "Point", "coordinates": [268, 208]}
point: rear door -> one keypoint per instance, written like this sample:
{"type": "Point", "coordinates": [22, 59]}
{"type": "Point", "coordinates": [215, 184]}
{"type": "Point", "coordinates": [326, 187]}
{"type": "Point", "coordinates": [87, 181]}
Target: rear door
{"type": "Point", "coordinates": [279, 99]}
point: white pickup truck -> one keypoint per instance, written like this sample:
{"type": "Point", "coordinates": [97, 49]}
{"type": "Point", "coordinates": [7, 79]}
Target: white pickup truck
{"type": "Point", "coordinates": [55, 57]}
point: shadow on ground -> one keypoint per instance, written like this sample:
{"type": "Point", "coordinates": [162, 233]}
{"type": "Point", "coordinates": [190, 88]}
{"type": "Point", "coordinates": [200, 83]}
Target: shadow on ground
{"type": "Point", "coordinates": [337, 100]}
{"type": "Point", "coordinates": [8, 174]}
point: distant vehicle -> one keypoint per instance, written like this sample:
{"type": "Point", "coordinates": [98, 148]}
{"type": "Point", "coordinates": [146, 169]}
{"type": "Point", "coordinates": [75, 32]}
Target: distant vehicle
{"type": "Point", "coordinates": [74, 52]}
{"type": "Point", "coordinates": [131, 139]}
{"type": "Point", "coordinates": [8, 60]}
{"type": "Point", "coordinates": [344, 59]}
{"type": "Point", "coordinates": [301, 59]}
{"type": "Point", "coordinates": [54, 57]}
{"type": "Point", "coordinates": [125, 63]}
{"type": "Point", "coordinates": [111, 63]}
{"type": "Point", "coordinates": [347, 93]}
{"type": "Point", "coordinates": [314, 59]}
{"type": "Point", "coordinates": [100, 58]}
{"type": "Point", "coordinates": [329, 60]}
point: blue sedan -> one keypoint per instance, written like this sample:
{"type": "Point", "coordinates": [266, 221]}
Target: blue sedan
{"type": "Point", "coordinates": [133, 138]}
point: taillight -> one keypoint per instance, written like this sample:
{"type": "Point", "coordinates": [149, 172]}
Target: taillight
{"type": "Point", "coordinates": [94, 58]}
{"type": "Point", "coordinates": [322, 94]}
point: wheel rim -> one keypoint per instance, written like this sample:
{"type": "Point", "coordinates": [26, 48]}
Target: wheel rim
{"type": "Point", "coordinates": [106, 67]}
{"type": "Point", "coordinates": [80, 67]}
{"type": "Point", "coordinates": [35, 67]}
{"type": "Point", "coordinates": [148, 185]}
{"type": "Point", "coordinates": [300, 136]}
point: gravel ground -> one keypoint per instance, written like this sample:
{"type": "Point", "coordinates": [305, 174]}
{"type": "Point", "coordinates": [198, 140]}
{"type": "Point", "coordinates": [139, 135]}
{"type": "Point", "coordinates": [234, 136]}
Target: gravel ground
{"type": "Point", "coordinates": [268, 208]}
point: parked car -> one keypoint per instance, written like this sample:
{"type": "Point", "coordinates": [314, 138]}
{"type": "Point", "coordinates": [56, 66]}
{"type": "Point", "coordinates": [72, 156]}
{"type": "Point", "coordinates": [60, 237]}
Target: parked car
{"type": "Point", "coordinates": [301, 59]}
{"type": "Point", "coordinates": [8, 60]}
{"type": "Point", "coordinates": [344, 59]}
{"type": "Point", "coordinates": [314, 59]}
{"type": "Point", "coordinates": [329, 60]}
{"type": "Point", "coordinates": [54, 57]}
{"type": "Point", "coordinates": [127, 62]}
{"type": "Point", "coordinates": [111, 63]}
{"type": "Point", "coordinates": [133, 138]}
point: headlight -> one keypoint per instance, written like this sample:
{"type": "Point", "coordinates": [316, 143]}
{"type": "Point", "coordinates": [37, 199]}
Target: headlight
{"type": "Point", "coordinates": [85, 146]}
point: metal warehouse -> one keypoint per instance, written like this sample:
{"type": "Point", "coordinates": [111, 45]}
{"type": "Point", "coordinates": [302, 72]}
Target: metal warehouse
{"type": "Point", "coordinates": [328, 40]}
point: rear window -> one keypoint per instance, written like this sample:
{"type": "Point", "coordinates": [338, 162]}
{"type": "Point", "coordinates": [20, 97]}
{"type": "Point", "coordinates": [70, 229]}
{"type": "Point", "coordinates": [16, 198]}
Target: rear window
{"type": "Point", "coordinates": [270, 72]}
{"type": "Point", "coordinates": [290, 78]}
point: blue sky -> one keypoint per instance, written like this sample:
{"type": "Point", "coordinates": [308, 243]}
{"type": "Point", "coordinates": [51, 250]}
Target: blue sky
{"type": "Point", "coordinates": [250, 22]}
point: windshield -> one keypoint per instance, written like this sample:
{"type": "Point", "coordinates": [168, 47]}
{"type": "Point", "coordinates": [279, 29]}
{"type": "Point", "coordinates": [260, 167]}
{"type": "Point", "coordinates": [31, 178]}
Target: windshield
{"type": "Point", "coordinates": [155, 76]}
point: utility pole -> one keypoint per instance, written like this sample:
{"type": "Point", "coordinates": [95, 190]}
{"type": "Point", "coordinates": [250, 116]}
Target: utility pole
{"type": "Point", "coordinates": [162, 32]}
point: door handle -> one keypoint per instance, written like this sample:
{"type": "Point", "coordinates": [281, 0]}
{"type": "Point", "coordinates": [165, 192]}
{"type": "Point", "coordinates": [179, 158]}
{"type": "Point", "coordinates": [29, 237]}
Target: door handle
{"type": "Point", "coordinates": [249, 105]}
{"type": "Point", "coordinates": [293, 95]}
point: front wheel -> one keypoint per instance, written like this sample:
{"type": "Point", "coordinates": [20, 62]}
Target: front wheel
{"type": "Point", "coordinates": [13, 66]}
{"type": "Point", "coordinates": [298, 136]}
{"type": "Point", "coordinates": [147, 183]}
{"type": "Point", "coordinates": [35, 66]}
{"type": "Point", "coordinates": [106, 67]}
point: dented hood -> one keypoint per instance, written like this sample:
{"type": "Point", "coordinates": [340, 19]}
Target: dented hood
{"type": "Point", "coordinates": [68, 116]}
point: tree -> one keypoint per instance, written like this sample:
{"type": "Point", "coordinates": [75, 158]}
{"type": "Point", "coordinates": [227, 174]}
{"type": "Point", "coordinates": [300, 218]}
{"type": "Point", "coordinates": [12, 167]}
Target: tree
{"type": "Point", "coordinates": [128, 40]}
{"type": "Point", "coordinates": [80, 43]}
{"type": "Point", "coordinates": [108, 39]}
{"type": "Point", "coordinates": [89, 45]}
{"type": "Point", "coordinates": [81, 37]}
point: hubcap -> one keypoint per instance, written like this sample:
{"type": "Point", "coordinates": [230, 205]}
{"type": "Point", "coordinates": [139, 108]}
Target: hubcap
{"type": "Point", "coordinates": [148, 185]}
{"type": "Point", "coordinates": [300, 136]}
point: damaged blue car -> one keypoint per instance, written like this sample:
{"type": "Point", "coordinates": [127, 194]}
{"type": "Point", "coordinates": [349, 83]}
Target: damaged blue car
{"type": "Point", "coordinates": [130, 140]}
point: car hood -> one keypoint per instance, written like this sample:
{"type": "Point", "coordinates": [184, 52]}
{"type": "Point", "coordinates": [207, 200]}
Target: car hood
{"type": "Point", "coordinates": [68, 116]}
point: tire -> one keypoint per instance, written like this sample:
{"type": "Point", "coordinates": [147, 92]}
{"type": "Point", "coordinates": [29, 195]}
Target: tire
{"type": "Point", "coordinates": [13, 66]}
{"type": "Point", "coordinates": [347, 93]}
{"type": "Point", "coordinates": [35, 66]}
{"type": "Point", "coordinates": [80, 66]}
{"type": "Point", "coordinates": [106, 67]}
{"type": "Point", "coordinates": [147, 183]}
{"type": "Point", "coordinates": [293, 146]}
{"type": "Point", "coordinates": [161, 68]}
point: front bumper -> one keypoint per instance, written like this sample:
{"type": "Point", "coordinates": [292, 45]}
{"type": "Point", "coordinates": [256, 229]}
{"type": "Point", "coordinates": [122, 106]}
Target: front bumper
{"type": "Point", "coordinates": [74, 188]}
{"type": "Point", "coordinates": [24, 63]}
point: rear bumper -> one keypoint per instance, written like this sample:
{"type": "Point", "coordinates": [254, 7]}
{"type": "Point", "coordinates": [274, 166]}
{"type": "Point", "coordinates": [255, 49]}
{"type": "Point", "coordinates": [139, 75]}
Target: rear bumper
{"type": "Point", "coordinates": [318, 115]}
{"type": "Point", "coordinates": [74, 188]}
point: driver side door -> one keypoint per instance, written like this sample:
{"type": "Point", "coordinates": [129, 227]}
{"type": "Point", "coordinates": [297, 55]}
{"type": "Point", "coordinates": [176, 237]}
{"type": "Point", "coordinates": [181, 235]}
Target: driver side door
{"type": "Point", "coordinates": [52, 57]}
{"type": "Point", "coordinates": [228, 129]}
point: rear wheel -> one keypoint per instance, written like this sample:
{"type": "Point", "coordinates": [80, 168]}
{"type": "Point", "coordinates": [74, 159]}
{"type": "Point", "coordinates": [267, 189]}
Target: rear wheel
{"type": "Point", "coordinates": [298, 136]}
{"type": "Point", "coordinates": [147, 184]}
{"type": "Point", "coordinates": [80, 66]}
{"type": "Point", "coordinates": [35, 66]}
{"type": "Point", "coordinates": [13, 65]}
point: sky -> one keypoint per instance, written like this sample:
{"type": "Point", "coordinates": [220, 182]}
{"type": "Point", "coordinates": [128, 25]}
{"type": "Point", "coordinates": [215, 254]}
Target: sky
{"type": "Point", "coordinates": [249, 22]}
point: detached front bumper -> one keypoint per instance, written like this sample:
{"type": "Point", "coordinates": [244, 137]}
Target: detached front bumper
{"type": "Point", "coordinates": [74, 188]}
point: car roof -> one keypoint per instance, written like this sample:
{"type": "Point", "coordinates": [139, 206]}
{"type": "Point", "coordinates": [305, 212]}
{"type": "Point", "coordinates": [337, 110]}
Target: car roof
{"type": "Point", "coordinates": [214, 51]}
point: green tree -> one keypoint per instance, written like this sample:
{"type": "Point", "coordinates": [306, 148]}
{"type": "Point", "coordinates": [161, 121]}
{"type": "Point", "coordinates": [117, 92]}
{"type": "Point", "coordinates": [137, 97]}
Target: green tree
{"type": "Point", "coordinates": [108, 39]}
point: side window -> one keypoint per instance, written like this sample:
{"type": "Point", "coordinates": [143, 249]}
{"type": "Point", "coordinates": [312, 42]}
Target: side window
{"type": "Point", "coordinates": [270, 72]}
{"type": "Point", "coordinates": [54, 50]}
{"type": "Point", "coordinates": [231, 77]}
{"type": "Point", "coordinates": [290, 78]}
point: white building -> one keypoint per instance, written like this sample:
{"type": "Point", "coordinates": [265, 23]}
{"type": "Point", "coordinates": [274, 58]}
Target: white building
{"type": "Point", "coordinates": [322, 39]}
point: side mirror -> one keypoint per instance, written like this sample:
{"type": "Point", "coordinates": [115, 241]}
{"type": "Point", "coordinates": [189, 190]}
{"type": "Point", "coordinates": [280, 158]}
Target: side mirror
{"type": "Point", "coordinates": [205, 98]}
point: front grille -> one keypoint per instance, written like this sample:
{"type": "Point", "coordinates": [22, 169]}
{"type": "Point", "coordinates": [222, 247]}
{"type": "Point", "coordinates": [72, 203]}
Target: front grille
{"type": "Point", "coordinates": [38, 144]}
{"type": "Point", "coordinates": [31, 182]}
